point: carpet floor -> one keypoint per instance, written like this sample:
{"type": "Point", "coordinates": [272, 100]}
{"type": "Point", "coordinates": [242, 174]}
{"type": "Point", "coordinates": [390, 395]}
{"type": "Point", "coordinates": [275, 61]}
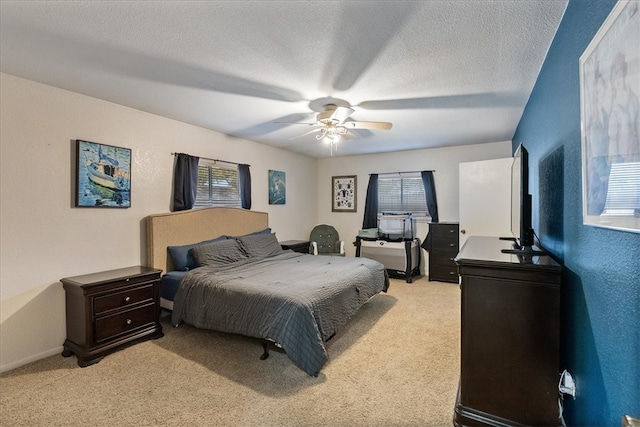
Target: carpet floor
{"type": "Point", "coordinates": [396, 363]}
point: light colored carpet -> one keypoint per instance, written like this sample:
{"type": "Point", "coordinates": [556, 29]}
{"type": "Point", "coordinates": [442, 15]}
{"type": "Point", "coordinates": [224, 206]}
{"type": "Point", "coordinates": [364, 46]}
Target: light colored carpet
{"type": "Point", "coordinates": [396, 363]}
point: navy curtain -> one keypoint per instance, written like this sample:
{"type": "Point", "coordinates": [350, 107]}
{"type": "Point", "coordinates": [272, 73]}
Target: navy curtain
{"type": "Point", "coordinates": [371, 203]}
{"type": "Point", "coordinates": [430, 194]}
{"type": "Point", "coordinates": [185, 182]}
{"type": "Point", "coordinates": [244, 176]}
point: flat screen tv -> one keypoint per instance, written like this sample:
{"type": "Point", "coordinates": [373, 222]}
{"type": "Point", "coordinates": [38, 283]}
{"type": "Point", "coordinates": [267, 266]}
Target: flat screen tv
{"type": "Point", "coordinates": [521, 205]}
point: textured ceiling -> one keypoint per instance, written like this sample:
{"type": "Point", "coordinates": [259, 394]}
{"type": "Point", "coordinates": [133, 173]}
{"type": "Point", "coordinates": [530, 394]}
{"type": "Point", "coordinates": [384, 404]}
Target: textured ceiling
{"type": "Point", "coordinates": [444, 72]}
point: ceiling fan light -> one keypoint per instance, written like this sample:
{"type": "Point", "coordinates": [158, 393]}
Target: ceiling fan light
{"type": "Point", "coordinates": [322, 134]}
{"type": "Point", "coordinates": [332, 126]}
{"type": "Point", "coordinates": [332, 138]}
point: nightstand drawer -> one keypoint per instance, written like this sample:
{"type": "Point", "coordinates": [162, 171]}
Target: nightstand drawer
{"type": "Point", "coordinates": [117, 300]}
{"type": "Point", "coordinates": [111, 326]}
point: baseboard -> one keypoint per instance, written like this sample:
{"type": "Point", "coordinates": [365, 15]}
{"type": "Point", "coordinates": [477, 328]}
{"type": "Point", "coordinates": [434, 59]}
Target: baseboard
{"type": "Point", "coordinates": [32, 358]}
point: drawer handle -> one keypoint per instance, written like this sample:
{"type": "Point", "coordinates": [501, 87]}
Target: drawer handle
{"type": "Point", "coordinates": [128, 322]}
{"type": "Point", "coordinates": [127, 299]}
{"type": "Point", "coordinates": [452, 244]}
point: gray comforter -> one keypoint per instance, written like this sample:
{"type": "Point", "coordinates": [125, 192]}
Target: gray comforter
{"type": "Point", "coordinates": [299, 301]}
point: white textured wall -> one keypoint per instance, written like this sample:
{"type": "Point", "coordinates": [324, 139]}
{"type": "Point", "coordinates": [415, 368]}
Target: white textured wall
{"type": "Point", "coordinates": [44, 238]}
{"type": "Point", "coordinates": [444, 161]}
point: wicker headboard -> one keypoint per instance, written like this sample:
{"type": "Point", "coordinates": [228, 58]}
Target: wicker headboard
{"type": "Point", "coordinates": [192, 226]}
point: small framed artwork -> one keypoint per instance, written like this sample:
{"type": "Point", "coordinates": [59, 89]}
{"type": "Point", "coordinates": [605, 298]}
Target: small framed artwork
{"type": "Point", "coordinates": [610, 122]}
{"type": "Point", "coordinates": [343, 193]}
{"type": "Point", "coordinates": [103, 175]}
{"type": "Point", "coordinates": [277, 188]}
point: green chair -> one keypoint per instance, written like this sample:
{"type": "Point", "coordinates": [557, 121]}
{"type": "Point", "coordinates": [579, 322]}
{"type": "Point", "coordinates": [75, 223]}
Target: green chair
{"type": "Point", "coordinates": [326, 241]}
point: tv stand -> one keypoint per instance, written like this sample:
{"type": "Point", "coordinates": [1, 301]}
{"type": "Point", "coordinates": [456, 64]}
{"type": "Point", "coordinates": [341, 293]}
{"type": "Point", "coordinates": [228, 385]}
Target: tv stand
{"type": "Point", "coordinates": [524, 251]}
{"type": "Point", "coordinates": [510, 337]}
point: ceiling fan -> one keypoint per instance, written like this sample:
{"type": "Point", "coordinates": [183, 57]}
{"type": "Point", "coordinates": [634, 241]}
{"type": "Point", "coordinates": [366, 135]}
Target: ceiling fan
{"type": "Point", "coordinates": [332, 125]}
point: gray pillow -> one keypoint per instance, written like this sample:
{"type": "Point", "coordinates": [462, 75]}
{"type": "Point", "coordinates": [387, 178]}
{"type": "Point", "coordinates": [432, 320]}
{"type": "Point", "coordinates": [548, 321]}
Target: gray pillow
{"type": "Point", "coordinates": [219, 253]}
{"type": "Point", "coordinates": [261, 245]}
{"type": "Point", "coordinates": [264, 231]}
{"type": "Point", "coordinates": [182, 256]}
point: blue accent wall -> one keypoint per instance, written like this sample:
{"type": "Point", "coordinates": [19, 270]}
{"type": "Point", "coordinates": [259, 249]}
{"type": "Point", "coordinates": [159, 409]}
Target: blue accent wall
{"type": "Point", "coordinates": [600, 318]}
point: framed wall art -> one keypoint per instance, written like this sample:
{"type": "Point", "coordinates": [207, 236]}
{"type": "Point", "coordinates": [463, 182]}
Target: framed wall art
{"type": "Point", "coordinates": [610, 121]}
{"type": "Point", "coordinates": [344, 193]}
{"type": "Point", "coordinates": [277, 188]}
{"type": "Point", "coordinates": [103, 175]}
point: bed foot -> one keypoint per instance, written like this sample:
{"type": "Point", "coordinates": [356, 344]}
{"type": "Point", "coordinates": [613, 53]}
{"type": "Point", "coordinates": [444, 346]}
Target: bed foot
{"type": "Point", "coordinates": [265, 354]}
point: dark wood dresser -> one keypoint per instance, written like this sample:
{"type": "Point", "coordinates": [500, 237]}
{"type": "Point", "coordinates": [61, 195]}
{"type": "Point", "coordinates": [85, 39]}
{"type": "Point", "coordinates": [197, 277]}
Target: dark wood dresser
{"type": "Point", "coordinates": [509, 365]}
{"type": "Point", "coordinates": [301, 246]}
{"type": "Point", "coordinates": [442, 245]}
{"type": "Point", "coordinates": [110, 309]}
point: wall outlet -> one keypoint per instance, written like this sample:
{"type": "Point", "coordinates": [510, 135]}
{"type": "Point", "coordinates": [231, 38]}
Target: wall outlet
{"type": "Point", "coordinates": [629, 421]}
{"type": "Point", "coordinates": [567, 385]}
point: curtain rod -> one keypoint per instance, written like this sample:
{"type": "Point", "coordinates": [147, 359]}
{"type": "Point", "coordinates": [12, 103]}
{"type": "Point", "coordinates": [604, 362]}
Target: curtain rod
{"type": "Point", "coordinates": [389, 173]}
{"type": "Point", "coordinates": [213, 160]}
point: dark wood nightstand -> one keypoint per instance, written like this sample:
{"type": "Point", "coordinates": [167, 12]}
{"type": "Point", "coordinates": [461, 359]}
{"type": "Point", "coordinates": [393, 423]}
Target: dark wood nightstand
{"type": "Point", "coordinates": [301, 246]}
{"type": "Point", "coordinates": [110, 309]}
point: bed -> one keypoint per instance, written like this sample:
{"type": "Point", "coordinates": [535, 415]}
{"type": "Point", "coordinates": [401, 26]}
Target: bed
{"type": "Point", "coordinates": [224, 270]}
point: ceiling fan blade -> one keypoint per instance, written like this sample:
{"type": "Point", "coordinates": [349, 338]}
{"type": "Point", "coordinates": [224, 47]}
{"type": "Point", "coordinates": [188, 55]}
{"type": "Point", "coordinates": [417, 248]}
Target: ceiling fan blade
{"type": "Point", "coordinates": [300, 123]}
{"type": "Point", "coordinates": [368, 125]}
{"type": "Point", "coordinates": [341, 114]}
{"type": "Point", "coordinates": [471, 100]}
{"type": "Point", "coordinates": [307, 133]}
{"type": "Point", "coordinates": [349, 135]}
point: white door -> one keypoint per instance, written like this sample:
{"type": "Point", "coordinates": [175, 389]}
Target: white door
{"type": "Point", "coordinates": [485, 198]}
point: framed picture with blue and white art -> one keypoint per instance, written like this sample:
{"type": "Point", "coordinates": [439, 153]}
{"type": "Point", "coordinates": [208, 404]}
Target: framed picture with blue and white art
{"type": "Point", "coordinates": [610, 121]}
{"type": "Point", "coordinates": [277, 188]}
{"type": "Point", "coordinates": [103, 175]}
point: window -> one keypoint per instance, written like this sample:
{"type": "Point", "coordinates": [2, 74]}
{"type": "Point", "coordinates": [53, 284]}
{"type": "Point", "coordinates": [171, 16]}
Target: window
{"type": "Point", "coordinates": [623, 192]}
{"type": "Point", "coordinates": [401, 193]}
{"type": "Point", "coordinates": [218, 184]}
